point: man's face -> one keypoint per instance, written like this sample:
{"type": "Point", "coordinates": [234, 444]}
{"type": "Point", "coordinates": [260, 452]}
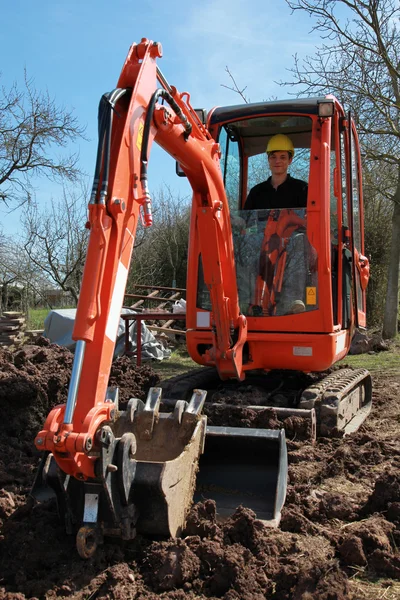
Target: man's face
{"type": "Point", "coordinates": [279, 162]}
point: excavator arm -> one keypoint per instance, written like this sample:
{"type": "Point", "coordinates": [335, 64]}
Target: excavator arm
{"type": "Point", "coordinates": [130, 119]}
{"type": "Point", "coordinates": [198, 154]}
{"type": "Point", "coordinates": [118, 472]}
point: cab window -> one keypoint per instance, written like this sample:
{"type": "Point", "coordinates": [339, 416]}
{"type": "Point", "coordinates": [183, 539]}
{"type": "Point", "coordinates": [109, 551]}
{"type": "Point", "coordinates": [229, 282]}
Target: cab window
{"type": "Point", "coordinates": [243, 145]}
{"type": "Point", "coordinates": [230, 164]}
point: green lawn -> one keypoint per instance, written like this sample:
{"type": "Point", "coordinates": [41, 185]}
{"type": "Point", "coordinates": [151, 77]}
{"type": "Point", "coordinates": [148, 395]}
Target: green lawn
{"type": "Point", "coordinates": [36, 318]}
{"type": "Point", "coordinates": [179, 362]}
{"type": "Point", "coordinates": [380, 361]}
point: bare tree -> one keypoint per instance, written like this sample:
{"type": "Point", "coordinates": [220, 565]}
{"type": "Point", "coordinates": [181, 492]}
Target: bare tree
{"type": "Point", "coordinates": [17, 274]}
{"type": "Point", "coordinates": [9, 269]}
{"type": "Point", "coordinates": [32, 130]}
{"type": "Point", "coordinates": [359, 61]}
{"type": "Point", "coordinates": [378, 184]}
{"type": "Point", "coordinates": [234, 87]}
{"type": "Point", "coordinates": [161, 257]}
{"type": "Point", "coordinates": [172, 231]}
{"type": "Point", "coordinates": [56, 240]}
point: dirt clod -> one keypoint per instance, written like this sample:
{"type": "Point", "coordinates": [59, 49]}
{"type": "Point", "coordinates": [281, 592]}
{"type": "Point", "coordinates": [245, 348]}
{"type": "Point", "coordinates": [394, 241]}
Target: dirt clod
{"type": "Point", "coordinates": [352, 552]}
{"type": "Point", "coordinates": [386, 491]}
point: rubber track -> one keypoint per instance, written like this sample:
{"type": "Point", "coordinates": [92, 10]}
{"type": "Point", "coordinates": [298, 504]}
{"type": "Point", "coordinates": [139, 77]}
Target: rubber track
{"type": "Point", "coordinates": [313, 394]}
{"type": "Point", "coordinates": [330, 393]}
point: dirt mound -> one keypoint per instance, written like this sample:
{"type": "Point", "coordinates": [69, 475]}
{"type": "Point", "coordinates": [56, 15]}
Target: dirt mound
{"type": "Point", "coordinates": [371, 542]}
{"type": "Point", "coordinates": [32, 381]}
{"type": "Point", "coordinates": [202, 520]}
{"type": "Point", "coordinates": [341, 520]}
{"type": "Point", "coordinates": [132, 381]}
{"type": "Point", "coordinates": [168, 565]}
{"type": "Point", "coordinates": [36, 378]}
{"type": "Point", "coordinates": [244, 559]}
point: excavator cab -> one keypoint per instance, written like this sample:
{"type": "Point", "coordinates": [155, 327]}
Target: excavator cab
{"type": "Point", "coordinates": [300, 271]}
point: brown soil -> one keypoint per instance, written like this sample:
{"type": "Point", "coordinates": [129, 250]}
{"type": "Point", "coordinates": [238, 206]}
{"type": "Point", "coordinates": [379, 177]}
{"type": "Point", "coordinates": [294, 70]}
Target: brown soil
{"type": "Point", "coordinates": [339, 534]}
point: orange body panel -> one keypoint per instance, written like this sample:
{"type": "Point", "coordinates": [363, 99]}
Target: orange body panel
{"type": "Point", "coordinates": [295, 351]}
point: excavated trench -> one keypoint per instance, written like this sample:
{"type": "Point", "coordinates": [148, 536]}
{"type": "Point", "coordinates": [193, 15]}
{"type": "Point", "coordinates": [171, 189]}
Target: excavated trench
{"type": "Point", "coordinates": [339, 536]}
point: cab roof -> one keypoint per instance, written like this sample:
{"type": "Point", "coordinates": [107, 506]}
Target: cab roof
{"type": "Point", "coordinates": [242, 111]}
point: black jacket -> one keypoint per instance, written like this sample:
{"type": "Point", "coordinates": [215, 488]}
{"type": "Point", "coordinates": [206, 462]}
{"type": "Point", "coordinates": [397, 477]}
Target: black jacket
{"type": "Point", "coordinates": [292, 193]}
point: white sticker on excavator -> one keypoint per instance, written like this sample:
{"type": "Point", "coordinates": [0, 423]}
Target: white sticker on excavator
{"type": "Point", "coordinates": [302, 351]}
{"type": "Point", "coordinates": [116, 302]}
{"type": "Point", "coordinates": [340, 342]}
{"type": "Point", "coordinates": [203, 319]}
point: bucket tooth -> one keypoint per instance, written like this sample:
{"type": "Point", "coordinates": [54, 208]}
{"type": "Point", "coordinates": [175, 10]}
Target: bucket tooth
{"type": "Point", "coordinates": [126, 464]}
{"type": "Point", "coordinates": [179, 410]}
{"type": "Point", "coordinates": [196, 402]}
{"type": "Point", "coordinates": [134, 407]}
{"type": "Point", "coordinates": [192, 413]}
{"type": "Point", "coordinates": [147, 417]}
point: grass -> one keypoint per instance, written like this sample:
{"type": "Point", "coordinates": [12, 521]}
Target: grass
{"type": "Point", "coordinates": [178, 363]}
{"type": "Point", "coordinates": [382, 589]}
{"type": "Point", "coordinates": [380, 361]}
{"type": "Point", "coordinates": [36, 318]}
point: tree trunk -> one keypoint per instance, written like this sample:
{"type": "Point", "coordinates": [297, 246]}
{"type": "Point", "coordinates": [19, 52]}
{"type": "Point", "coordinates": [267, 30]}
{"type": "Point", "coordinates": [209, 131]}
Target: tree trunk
{"type": "Point", "coordinates": [5, 296]}
{"type": "Point", "coordinates": [392, 295]}
{"type": "Point", "coordinates": [25, 302]}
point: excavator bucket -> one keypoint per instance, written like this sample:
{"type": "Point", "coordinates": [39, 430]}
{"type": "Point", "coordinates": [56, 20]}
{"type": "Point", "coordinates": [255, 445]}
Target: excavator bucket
{"type": "Point", "coordinates": [244, 467]}
{"type": "Point", "coordinates": [148, 473]}
{"type": "Point", "coordinates": [168, 447]}
{"type": "Point", "coordinates": [146, 469]}
{"type": "Point", "coordinates": [240, 465]}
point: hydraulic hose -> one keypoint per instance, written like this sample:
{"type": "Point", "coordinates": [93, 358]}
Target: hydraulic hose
{"type": "Point", "coordinates": [160, 93]}
{"type": "Point", "coordinates": [106, 107]}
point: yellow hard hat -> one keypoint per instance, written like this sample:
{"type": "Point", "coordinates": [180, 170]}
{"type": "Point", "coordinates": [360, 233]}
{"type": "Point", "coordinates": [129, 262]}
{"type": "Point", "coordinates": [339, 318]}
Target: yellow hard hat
{"type": "Point", "coordinates": [280, 142]}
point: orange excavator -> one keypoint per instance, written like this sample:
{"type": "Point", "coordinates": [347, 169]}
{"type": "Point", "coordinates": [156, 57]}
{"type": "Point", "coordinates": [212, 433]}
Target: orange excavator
{"type": "Point", "coordinates": [270, 291]}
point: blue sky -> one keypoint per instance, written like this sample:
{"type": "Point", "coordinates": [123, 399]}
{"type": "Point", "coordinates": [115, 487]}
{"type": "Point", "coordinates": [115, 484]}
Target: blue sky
{"type": "Point", "coordinates": [75, 49]}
